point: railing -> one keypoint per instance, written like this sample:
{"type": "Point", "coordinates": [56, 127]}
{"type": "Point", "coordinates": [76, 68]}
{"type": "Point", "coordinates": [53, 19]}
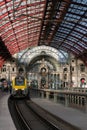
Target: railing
{"type": "Point", "coordinates": [76, 98]}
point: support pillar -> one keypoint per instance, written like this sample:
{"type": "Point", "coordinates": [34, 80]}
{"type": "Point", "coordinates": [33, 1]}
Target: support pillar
{"type": "Point", "coordinates": [86, 104]}
{"type": "Point", "coordinates": [47, 95]}
{"type": "Point", "coordinates": [55, 97]}
{"type": "Point", "coordinates": [66, 100]}
{"type": "Point", "coordinates": [42, 94]}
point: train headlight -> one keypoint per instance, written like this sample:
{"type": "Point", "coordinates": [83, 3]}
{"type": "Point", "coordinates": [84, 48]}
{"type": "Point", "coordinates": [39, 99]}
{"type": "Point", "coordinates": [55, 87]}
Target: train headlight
{"type": "Point", "coordinates": [16, 89]}
{"type": "Point", "coordinates": [22, 88]}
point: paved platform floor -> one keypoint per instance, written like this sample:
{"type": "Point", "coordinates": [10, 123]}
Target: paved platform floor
{"type": "Point", "coordinates": [73, 116]}
{"type": "Point", "coordinates": [6, 122]}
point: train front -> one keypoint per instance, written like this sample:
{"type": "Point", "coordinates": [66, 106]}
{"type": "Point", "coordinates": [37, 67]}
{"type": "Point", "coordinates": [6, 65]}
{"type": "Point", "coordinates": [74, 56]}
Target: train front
{"type": "Point", "coordinates": [19, 87]}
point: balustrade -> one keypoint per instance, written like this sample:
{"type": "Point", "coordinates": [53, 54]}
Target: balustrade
{"type": "Point", "coordinates": [76, 99]}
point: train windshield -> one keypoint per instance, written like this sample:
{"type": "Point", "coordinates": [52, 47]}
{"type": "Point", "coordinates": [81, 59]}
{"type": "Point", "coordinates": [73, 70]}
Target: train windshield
{"type": "Point", "coordinates": [19, 81]}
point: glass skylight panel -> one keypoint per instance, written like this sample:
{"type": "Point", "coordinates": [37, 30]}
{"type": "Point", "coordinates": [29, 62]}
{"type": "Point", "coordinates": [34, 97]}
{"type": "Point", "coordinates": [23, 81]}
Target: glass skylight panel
{"type": "Point", "coordinates": [22, 38]}
{"type": "Point", "coordinates": [73, 18]}
{"type": "Point", "coordinates": [73, 38]}
{"type": "Point", "coordinates": [11, 34]}
{"type": "Point", "coordinates": [76, 17]}
{"type": "Point", "coordinates": [23, 3]}
{"type": "Point", "coordinates": [76, 11]}
{"type": "Point", "coordinates": [3, 11]}
{"type": "Point", "coordinates": [84, 39]}
{"type": "Point", "coordinates": [66, 23]}
{"type": "Point", "coordinates": [81, 12]}
{"type": "Point", "coordinates": [66, 46]}
{"type": "Point", "coordinates": [85, 7]}
{"type": "Point", "coordinates": [78, 35]}
{"type": "Point", "coordinates": [69, 10]}
{"type": "Point", "coordinates": [68, 43]}
{"type": "Point", "coordinates": [60, 39]}
{"type": "Point", "coordinates": [9, 8]}
{"type": "Point", "coordinates": [3, 7]}
{"type": "Point", "coordinates": [83, 31]}
{"type": "Point", "coordinates": [13, 38]}
{"type": "Point", "coordinates": [19, 36]}
{"type": "Point", "coordinates": [3, 22]}
{"type": "Point", "coordinates": [63, 29]}
{"type": "Point", "coordinates": [80, 28]}
{"type": "Point", "coordinates": [85, 19]}
{"type": "Point", "coordinates": [64, 32]}
{"type": "Point", "coordinates": [80, 1]}
{"type": "Point", "coordinates": [69, 38]}
{"type": "Point", "coordinates": [65, 53]}
{"type": "Point", "coordinates": [71, 5]}
{"type": "Point", "coordinates": [84, 23]}
{"type": "Point", "coordinates": [59, 36]}
{"type": "Point", "coordinates": [62, 35]}
{"type": "Point", "coordinates": [75, 51]}
{"type": "Point", "coordinates": [64, 49]}
{"type": "Point", "coordinates": [31, 11]}
{"type": "Point", "coordinates": [1, 0]}
{"type": "Point", "coordinates": [8, 29]}
{"type": "Point", "coordinates": [18, 24]}
{"type": "Point", "coordinates": [69, 26]}
{"type": "Point", "coordinates": [77, 47]}
{"type": "Point", "coordinates": [82, 44]}
{"type": "Point", "coordinates": [22, 32]}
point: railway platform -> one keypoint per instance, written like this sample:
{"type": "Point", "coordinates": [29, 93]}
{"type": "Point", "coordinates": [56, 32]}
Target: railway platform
{"type": "Point", "coordinates": [72, 116]}
{"type": "Point", "coordinates": [6, 122]}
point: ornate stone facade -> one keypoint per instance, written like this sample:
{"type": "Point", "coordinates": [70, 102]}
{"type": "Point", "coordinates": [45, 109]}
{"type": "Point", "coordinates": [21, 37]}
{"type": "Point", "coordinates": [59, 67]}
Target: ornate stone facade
{"type": "Point", "coordinates": [8, 71]}
{"type": "Point", "coordinates": [64, 76]}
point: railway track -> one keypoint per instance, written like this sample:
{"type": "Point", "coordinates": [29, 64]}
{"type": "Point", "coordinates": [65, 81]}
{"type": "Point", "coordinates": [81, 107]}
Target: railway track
{"type": "Point", "coordinates": [29, 116]}
{"type": "Point", "coordinates": [26, 119]}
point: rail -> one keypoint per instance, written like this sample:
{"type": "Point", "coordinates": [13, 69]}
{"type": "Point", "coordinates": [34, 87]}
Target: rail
{"type": "Point", "coordinates": [26, 119]}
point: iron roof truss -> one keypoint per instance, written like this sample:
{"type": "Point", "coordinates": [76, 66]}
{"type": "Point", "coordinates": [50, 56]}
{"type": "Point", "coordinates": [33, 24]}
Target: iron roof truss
{"type": "Point", "coordinates": [29, 23]}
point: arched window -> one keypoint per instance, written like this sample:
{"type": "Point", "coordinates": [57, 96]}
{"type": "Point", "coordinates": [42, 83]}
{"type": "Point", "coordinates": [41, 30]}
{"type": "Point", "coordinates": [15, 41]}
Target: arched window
{"type": "Point", "coordinates": [82, 67]}
{"type": "Point", "coordinates": [65, 69]}
{"type": "Point", "coordinates": [3, 68]}
{"type": "Point", "coordinates": [65, 76]}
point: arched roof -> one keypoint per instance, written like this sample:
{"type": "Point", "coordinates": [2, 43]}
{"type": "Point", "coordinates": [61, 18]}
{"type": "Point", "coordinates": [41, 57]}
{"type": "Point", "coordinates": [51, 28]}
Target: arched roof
{"type": "Point", "coordinates": [28, 55]}
{"type": "Point", "coordinates": [61, 24]}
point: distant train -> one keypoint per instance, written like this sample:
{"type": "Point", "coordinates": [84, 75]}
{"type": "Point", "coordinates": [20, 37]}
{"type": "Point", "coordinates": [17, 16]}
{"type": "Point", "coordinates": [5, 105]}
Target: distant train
{"type": "Point", "coordinates": [4, 85]}
{"type": "Point", "coordinates": [19, 87]}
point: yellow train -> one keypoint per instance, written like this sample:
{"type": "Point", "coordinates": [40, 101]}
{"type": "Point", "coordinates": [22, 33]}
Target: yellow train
{"type": "Point", "coordinates": [20, 87]}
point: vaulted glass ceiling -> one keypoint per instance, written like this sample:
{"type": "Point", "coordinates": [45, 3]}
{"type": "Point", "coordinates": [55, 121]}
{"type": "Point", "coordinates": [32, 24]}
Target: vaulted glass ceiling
{"type": "Point", "coordinates": [72, 33]}
{"type": "Point", "coordinates": [29, 23]}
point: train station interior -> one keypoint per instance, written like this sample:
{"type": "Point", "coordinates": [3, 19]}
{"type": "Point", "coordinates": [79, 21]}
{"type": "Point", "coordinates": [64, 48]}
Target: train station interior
{"type": "Point", "coordinates": [44, 41]}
